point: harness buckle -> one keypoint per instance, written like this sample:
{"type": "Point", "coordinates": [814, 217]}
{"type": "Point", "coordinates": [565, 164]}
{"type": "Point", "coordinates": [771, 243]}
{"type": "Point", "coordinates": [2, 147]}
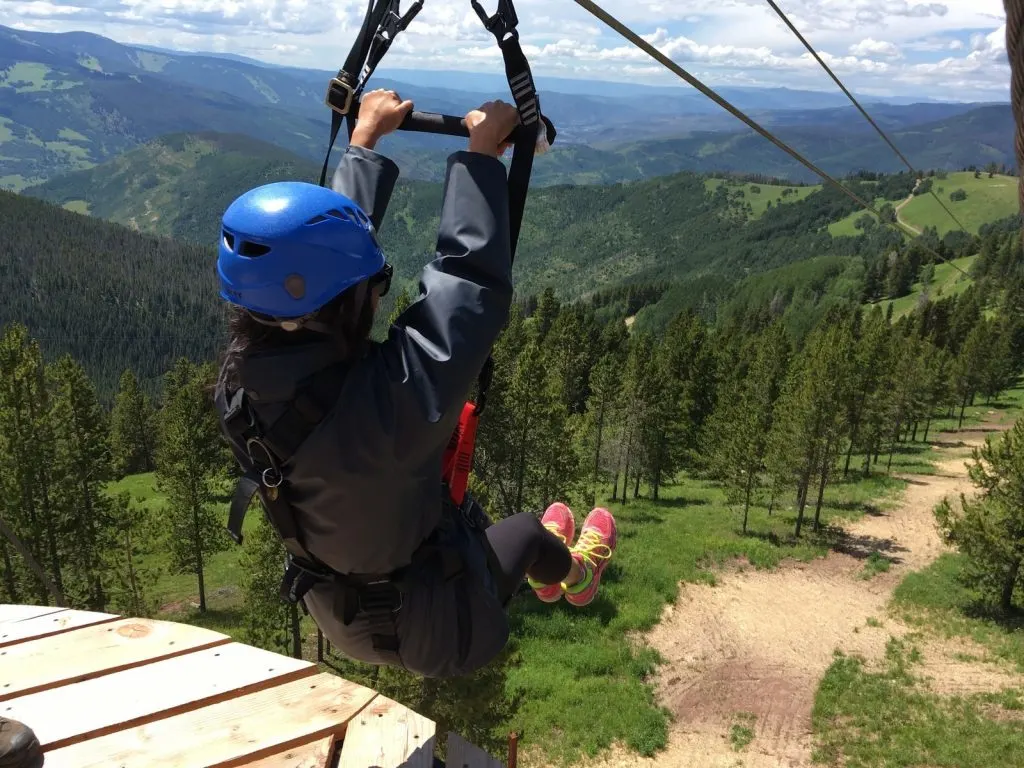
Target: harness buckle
{"type": "Point", "coordinates": [340, 93]}
{"type": "Point", "coordinates": [372, 598]}
{"type": "Point", "coordinates": [503, 23]}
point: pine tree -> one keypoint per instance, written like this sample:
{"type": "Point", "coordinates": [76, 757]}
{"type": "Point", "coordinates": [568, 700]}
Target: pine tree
{"type": "Point", "coordinates": [131, 428]}
{"type": "Point", "coordinates": [29, 547]}
{"type": "Point", "coordinates": [990, 528]}
{"type": "Point", "coordinates": [601, 417]}
{"type": "Point", "coordinates": [188, 457]}
{"type": "Point", "coordinates": [970, 365]}
{"type": "Point", "coordinates": [129, 581]}
{"type": "Point", "coordinates": [740, 428]}
{"type": "Point", "coordinates": [809, 428]}
{"type": "Point", "coordinates": [402, 302]}
{"type": "Point", "coordinates": [81, 466]}
{"type": "Point", "coordinates": [267, 618]}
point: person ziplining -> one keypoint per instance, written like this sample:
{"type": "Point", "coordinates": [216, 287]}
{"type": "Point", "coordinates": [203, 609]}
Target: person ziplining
{"type": "Point", "coordinates": [360, 450]}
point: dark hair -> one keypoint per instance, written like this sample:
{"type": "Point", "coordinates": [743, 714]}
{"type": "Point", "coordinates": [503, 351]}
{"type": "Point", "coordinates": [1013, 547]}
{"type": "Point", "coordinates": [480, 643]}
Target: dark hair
{"type": "Point", "coordinates": [349, 316]}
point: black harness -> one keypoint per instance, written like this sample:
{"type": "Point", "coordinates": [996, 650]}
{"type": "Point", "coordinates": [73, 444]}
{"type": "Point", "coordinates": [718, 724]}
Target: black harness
{"type": "Point", "coordinates": [269, 449]}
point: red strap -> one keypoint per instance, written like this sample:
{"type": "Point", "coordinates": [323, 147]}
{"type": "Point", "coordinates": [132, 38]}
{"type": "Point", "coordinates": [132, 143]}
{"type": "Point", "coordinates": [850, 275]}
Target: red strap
{"type": "Point", "coordinates": [458, 456]}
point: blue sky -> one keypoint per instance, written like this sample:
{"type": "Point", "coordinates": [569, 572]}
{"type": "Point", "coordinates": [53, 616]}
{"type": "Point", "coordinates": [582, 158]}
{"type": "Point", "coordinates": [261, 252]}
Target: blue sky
{"type": "Point", "coordinates": [952, 50]}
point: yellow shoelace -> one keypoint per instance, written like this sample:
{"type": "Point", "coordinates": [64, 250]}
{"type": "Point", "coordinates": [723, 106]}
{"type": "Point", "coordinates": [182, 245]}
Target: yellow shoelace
{"type": "Point", "coordinates": [553, 527]}
{"type": "Point", "coordinates": [590, 546]}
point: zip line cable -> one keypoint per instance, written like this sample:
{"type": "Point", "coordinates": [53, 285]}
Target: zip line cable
{"type": "Point", "coordinates": [666, 62]}
{"type": "Point", "coordinates": [856, 103]}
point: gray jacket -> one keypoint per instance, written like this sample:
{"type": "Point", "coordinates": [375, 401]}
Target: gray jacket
{"type": "Point", "coordinates": [365, 485]}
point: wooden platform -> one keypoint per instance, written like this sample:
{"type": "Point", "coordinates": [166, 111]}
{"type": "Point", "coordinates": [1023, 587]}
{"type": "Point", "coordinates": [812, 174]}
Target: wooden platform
{"type": "Point", "coordinates": [103, 690]}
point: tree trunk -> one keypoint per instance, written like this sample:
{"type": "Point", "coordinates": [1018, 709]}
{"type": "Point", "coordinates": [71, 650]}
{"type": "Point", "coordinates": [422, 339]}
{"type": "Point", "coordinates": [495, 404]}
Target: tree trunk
{"type": "Point", "coordinates": [597, 451]}
{"type": "Point", "coordinates": [802, 502]}
{"type": "Point", "coordinates": [625, 479]}
{"type": "Point", "coordinates": [197, 547]}
{"type": "Point", "coordinates": [927, 426]}
{"type": "Point", "coordinates": [9, 583]}
{"type": "Point", "coordinates": [1006, 600]}
{"type": "Point", "coordinates": [746, 501]}
{"type": "Point", "coordinates": [892, 450]}
{"type": "Point", "coordinates": [963, 407]}
{"type": "Point", "coordinates": [636, 486]}
{"type": "Point", "coordinates": [32, 563]}
{"type": "Point", "coordinates": [771, 502]}
{"type": "Point", "coordinates": [293, 611]}
{"type": "Point", "coordinates": [821, 497]}
{"type": "Point", "coordinates": [319, 646]}
{"type": "Point", "coordinates": [913, 437]}
{"type": "Point", "coordinates": [615, 486]}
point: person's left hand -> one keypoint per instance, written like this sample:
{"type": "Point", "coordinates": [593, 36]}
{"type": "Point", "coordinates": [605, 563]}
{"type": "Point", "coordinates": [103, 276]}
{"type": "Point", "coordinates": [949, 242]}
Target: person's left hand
{"type": "Point", "coordinates": [380, 113]}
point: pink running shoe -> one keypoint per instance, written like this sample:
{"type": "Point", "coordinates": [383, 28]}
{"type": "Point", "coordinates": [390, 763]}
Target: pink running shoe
{"type": "Point", "coordinates": [559, 520]}
{"type": "Point", "coordinates": [592, 552]}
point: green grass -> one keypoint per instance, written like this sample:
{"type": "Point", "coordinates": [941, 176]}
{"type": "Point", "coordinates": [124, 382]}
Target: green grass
{"type": "Point", "coordinates": [987, 200]}
{"type": "Point", "coordinates": [741, 733]}
{"type": "Point", "coordinates": [844, 227]}
{"type": "Point", "coordinates": [759, 200]}
{"type": "Point", "coordinates": [875, 564]}
{"type": "Point", "coordinates": [949, 281]}
{"type": "Point", "coordinates": [889, 719]}
{"type": "Point", "coordinates": [936, 599]}
{"type": "Point", "coordinates": [69, 134]}
{"type": "Point", "coordinates": [78, 206]}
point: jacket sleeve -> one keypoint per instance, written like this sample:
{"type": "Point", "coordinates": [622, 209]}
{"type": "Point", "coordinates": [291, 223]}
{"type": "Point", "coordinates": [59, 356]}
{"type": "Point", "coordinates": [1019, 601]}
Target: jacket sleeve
{"type": "Point", "coordinates": [368, 178]}
{"type": "Point", "coordinates": [437, 346]}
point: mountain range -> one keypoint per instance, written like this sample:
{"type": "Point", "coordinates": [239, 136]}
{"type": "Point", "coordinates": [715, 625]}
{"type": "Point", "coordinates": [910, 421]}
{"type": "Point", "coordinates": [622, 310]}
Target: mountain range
{"type": "Point", "coordinates": [73, 100]}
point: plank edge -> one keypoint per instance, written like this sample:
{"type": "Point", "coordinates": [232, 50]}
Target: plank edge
{"type": "Point", "coordinates": [180, 709]}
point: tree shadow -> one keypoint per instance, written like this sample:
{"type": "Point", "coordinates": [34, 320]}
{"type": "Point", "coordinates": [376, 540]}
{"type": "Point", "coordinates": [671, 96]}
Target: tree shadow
{"type": "Point", "coordinates": [769, 536]}
{"type": "Point", "coordinates": [948, 444]}
{"type": "Point", "coordinates": [860, 546]}
{"type": "Point", "coordinates": [680, 502]}
{"type": "Point", "coordinates": [985, 611]}
{"type": "Point", "coordinates": [643, 518]}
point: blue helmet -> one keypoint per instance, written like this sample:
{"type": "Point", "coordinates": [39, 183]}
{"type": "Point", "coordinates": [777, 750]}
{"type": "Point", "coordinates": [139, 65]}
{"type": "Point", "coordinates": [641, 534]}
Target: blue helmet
{"type": "Point", "coordinates": [288, 248]}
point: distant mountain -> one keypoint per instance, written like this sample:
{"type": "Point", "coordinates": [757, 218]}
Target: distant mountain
{"type": "Point", "coordinates": [73, 100]}
{"type": "Point", "coordinates": [177, 185]}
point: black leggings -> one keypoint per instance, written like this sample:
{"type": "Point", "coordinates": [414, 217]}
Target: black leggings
{"type": "Point", "coordinates": [522, 545]}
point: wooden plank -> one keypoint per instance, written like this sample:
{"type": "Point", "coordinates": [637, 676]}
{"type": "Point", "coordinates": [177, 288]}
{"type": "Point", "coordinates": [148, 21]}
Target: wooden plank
{"type": "Point", "coordinates": [89, 652]}
{"type": "Point", "coordinates": [73, 713]}
{"type": "Point", "coordinates": [462, 754]}
{"type": "Point", "coordinates": [314, 755]}
{"type": "Point", "coordinates": [9, 612]}
{"type": "Point", "coordinates": [50, 624]}
{"type": "Point", "coordinates": [388, 735]}
{"type": "Point", "coordinates": [228, 734]}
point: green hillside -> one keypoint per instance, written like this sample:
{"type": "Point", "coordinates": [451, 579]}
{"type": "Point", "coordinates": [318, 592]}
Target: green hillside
{"type": "Point", "coordinates": [760, 196]}
{"type": "Point", "coordinates": [582, 239]}
{"type": "Point", "coordinates": [948, 281]}
{"type": "Point", "coordinates": [177, 185]}
{"type": "Point", "coordinates": [987, 200]}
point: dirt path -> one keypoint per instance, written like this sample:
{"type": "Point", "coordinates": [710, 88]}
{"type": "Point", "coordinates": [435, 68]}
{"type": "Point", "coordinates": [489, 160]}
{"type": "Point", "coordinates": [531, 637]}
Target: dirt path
{"type": "Point", "coordinates": [759, 642]}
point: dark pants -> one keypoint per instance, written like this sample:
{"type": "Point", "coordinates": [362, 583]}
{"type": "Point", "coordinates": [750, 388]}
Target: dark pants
{"type": "Point", "coordinates": [522, 545]}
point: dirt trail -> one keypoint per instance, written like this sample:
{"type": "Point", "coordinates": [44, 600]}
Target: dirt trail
{"type": "Point", "coordinates": [759, 642]}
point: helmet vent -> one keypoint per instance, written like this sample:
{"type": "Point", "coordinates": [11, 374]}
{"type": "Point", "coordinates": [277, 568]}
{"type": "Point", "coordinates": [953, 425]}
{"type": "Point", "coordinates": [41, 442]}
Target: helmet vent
{"type": "Point", "coordinates": [253, 249]}
{"type": "Point", "coordinates": [316, 219]}
{"type": "Point", "coordinates": [229, 240]}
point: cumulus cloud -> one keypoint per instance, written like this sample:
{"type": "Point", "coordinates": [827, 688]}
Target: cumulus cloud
{"type": "Point", "coordinates": [876, 45]}
{"type": "Point", "coordinates": [869, 47]}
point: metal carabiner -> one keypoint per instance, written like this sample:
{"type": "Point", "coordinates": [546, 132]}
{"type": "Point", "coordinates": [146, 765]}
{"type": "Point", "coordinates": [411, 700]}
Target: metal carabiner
{"type": "Point", "coordinates": [504, 21]}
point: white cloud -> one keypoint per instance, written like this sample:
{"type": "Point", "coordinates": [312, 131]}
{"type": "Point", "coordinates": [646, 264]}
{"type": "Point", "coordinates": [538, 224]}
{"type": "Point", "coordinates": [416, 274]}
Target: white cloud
{"type": "Point", "coordinates": [876, 45]}
{"type": "Point", "coordinates": [869, 47]}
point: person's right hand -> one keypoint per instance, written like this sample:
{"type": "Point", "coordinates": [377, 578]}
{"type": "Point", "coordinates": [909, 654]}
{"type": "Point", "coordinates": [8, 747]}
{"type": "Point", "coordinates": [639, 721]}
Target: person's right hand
{"type": "Point", "coordinates": [489, 125]}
